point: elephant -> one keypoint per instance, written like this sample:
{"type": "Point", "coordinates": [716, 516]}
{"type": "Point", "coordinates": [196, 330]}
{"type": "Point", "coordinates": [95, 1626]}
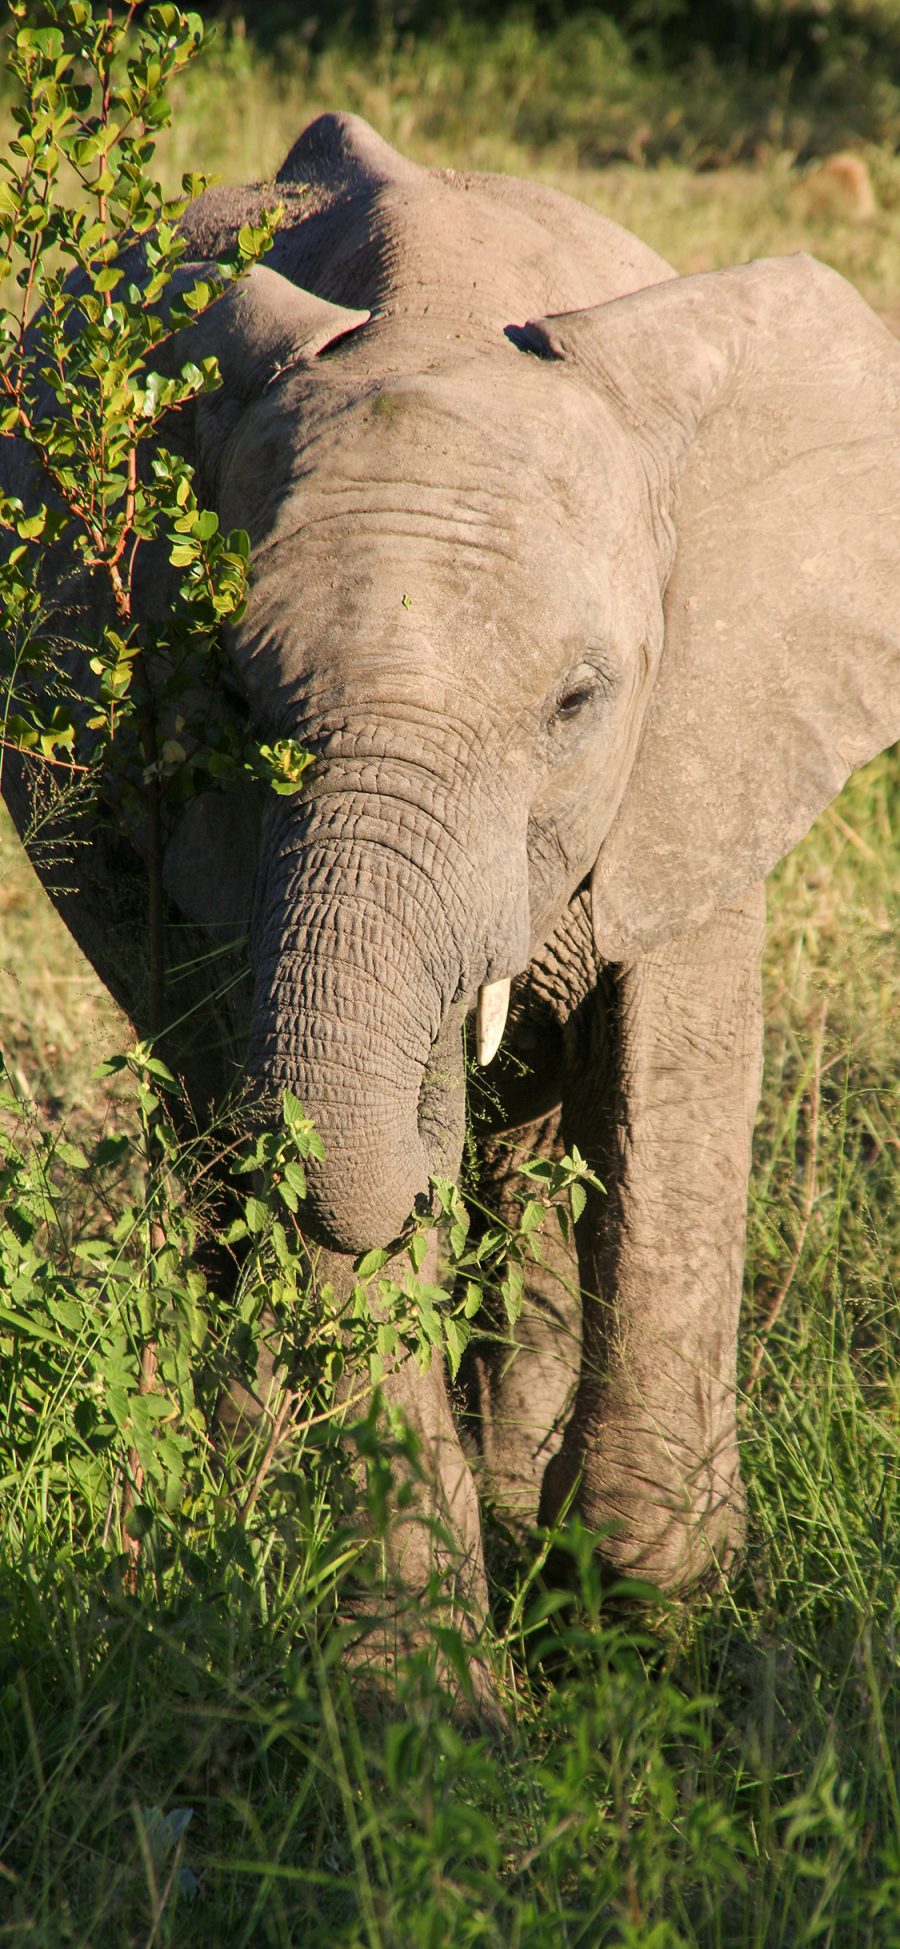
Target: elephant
{"type": "Point", "coordinates": [579, 580]}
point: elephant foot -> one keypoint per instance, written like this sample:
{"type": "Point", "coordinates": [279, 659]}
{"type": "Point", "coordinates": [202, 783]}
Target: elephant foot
{"type": "Point", "coordinates": [400, 1645]}
{"type": "Point", "coordinates": [678, 1531]}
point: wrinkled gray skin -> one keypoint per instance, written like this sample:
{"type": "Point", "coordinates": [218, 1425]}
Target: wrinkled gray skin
{"type": "Point", "coordinates": [586, 618]}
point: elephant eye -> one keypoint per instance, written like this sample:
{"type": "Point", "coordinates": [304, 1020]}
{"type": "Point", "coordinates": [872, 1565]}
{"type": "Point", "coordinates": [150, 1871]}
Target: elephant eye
{"type": "Point", "coordinates": [574, 700]}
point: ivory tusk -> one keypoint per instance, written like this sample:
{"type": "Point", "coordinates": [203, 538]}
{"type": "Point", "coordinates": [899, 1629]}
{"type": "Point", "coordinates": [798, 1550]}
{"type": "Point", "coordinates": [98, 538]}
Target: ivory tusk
{"type": "Point", "coordinates": [490, 1019]}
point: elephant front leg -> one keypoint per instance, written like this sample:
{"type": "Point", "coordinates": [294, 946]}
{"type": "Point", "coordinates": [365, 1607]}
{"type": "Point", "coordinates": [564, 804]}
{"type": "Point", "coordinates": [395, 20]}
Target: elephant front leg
{"type": "Point", "coordinates": [425, 1544]}
{"type": "Point", "coordinates": [650, 1453]}
{"type": "Point", "coordinates": [426, 1565]}
{"type": "Point", "coordinates": [429, 1536]}
{"type": "Point", "coordinates": [433, 1537]}
{"type": "Point", "coordinates": [525, 1375]}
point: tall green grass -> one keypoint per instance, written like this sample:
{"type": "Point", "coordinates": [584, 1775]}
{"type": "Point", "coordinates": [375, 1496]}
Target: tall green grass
{"type": "Point", "coordinates": [558, 104]}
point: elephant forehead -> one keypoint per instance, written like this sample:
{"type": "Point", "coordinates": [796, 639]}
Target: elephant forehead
{"type": "Point", "coordinates": [438, 524]}
{"type": "Point", "coordinates": [428, 592]}
{"type": "Point", "coordinates": [517, 434]}
{"type": "Point", "coordinates": [507, 437]}
{"type": "Point", "coordinates": [545, 506]}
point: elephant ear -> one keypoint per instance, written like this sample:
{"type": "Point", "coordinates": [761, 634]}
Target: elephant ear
{"type": "Point", "coordinates": [263, 327]}
{"type": "Point", "coordinates": [767, 399]}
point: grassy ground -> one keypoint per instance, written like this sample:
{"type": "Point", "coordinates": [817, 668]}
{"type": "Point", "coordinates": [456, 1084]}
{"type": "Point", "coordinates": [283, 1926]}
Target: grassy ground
{"type": "Point", "coordinates": [189, 1762]}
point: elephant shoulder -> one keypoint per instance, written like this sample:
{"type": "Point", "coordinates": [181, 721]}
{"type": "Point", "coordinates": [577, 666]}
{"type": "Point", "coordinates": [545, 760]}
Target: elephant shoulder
{"type": "Point", "coordinates": [610, 260]}
{"type": "Point", "coordinates": [346, 187]}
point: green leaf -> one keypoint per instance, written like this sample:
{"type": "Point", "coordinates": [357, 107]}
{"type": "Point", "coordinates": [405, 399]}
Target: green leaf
{"type": "Point", "coordinates": [139, 1522]}
{"type": "Point", "coordinates": [198, 298]}
{"type": "Point", "coordinates": [473, 1300]}
{"type": "Point", "coordinates": [113, 1066]}
{"type": "Point", "coordinates": [156, 1068]}
{"type": "Point", "coordinates": [32, 526]}
{"type": "Point", "coordinates": [47, 40]}
{"type": "Point", "coordinates": [371, 1262]}
{"type": "Point", "coordinates": [111, 1150]}
{"type": "Point", "coordinates": [18, 733]}
{"type": "Point", "coordinates": [256, 1214]}
{"type": "Point", "coordinates": [305, 1136]}
{"type": "Point", "coordinates": [416, 1249]}
{"type": "Point", "coordinates": [68, 1314]}
{"type": "Point", "coordinates": [295, 1176]}
{"type": "Point", "coordinates": [458, 1236]}
{"type": "Point", "coordinates": [511, 1290]}
{"type": "Point", "coordinates": [456, 1338]}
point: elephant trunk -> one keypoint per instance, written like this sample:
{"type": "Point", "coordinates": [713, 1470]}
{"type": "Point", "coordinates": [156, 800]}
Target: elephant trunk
{"type": "Point", "coordinates": [363, 968]}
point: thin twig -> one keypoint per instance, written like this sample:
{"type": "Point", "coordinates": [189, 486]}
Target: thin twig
{"type": "Point", "coordinates": [809, 1198]}
{"type": "Point", "coordinates": [41, 757]}
{"type": "Point", "coordinates": [287, 1412]}
{"type": "Point", "coordinates": [289, 1404]}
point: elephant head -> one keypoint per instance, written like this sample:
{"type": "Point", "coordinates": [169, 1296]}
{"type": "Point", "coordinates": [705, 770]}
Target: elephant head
{"type": "Point", "coordinates": [605, 594]}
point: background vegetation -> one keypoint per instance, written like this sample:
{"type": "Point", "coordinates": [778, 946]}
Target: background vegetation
{"type": "Point", "coordinates": [189, 1759]}
{"type": "Point", "coordinates": [704, 82]}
